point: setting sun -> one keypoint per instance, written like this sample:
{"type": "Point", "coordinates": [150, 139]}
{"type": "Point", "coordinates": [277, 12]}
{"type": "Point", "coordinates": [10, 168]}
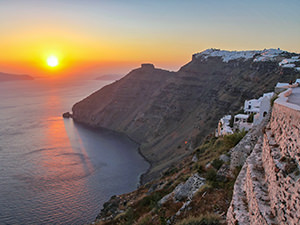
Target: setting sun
{"type": "Point", "coordinates": [52, 61]}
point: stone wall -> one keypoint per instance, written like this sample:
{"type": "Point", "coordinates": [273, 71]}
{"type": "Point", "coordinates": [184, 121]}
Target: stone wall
{"type": "Point", "coordinates": [285, 125]}
{"type": "Point", "coordinates": [281, 154]}
{"type": "Point", "coordinates": [267, 190]}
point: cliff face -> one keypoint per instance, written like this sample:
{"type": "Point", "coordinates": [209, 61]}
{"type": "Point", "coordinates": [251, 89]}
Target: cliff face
{"type": "Point", "coordinates": [267, 188]}
{"type": "Point", "coordinates": [170, 112]}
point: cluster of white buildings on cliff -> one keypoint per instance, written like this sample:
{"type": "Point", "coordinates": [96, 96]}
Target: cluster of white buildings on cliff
{"type": "Point", "coordinates": [254, 112]}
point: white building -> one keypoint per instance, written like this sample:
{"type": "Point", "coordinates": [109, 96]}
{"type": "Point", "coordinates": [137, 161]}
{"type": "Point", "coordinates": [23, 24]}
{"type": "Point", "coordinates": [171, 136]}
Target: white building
{"type": "Point", "coordinates": [264, 109]}
{"type": "Point", "coordinates": [223, 126]}
{"type": "Point", "coordinates": [259, 107]}
{"type": "Point", "coordinates": [240, 122]}
{"type": "Point", "coordinates": [251, 106]}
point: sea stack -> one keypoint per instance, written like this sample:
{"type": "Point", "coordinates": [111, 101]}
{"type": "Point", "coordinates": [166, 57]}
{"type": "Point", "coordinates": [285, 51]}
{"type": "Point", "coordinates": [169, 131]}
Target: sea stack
{"type": "Point", "coordinates": [67, 115]}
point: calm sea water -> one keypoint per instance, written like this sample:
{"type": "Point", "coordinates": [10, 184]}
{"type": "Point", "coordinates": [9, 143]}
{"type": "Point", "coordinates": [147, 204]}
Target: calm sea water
{"type": "Point", "coordinates": [52, 170]}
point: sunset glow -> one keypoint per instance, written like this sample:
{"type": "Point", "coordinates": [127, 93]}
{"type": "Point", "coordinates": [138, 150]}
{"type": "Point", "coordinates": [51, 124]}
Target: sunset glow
{"type": "Point", "coordinates": [116, 36]}
{"type": "Point", "coordinates": [52, 61]}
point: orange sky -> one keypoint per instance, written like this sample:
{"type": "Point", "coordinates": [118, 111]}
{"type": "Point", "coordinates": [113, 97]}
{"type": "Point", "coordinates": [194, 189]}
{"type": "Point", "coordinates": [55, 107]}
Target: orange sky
{"type": "Point", "coordinates": [105, 37]}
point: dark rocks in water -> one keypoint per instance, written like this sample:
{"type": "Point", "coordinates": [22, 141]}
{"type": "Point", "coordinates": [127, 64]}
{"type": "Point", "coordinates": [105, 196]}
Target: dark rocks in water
{"type": "Point", "coordinates": [67, 115]}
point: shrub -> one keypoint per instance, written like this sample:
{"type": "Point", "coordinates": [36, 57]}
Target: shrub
{"type": "Point", "coordinates": [211, 175]}
{"type": "Point", "coordinates": [250, 118]}
{"type": "Point", "coordinates": [150, 200]}
{"type": "Point", "coordinates": [217, 163]}
{"type": "Point", "coordinates": [200, 169]}
{"type": "Point", "coordinates": [232, 140]}
{"type": "Point", "coordinates": [200, 151]}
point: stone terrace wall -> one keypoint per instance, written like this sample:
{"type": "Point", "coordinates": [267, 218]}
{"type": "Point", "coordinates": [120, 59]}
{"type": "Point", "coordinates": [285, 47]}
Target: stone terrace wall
{"type": "Point", "coordinates": [281, 154]}
{"type": "Point", "coordinates": [267, 190]}
{"type": "Point", "coordinates": [285, 125]}
{"type": "Point", "coordinates": [283, 182]}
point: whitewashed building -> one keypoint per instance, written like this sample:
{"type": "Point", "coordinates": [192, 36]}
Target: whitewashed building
{"type": "Point", "coordinates": [264, 108]}
{"type": "Point", "coordinates": [259, 107]}
{"type": "Point", "coordinates": [223, 126]}
{"type": "Point", "coordinates": [240, 122]}
{"type": "Point", "coordinates": [251, 106]}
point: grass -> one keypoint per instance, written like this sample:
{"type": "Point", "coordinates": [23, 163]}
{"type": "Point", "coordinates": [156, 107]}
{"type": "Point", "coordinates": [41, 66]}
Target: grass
{"type": "Point", "coordinates": [151, 201]}
{"type": "Point", "coordinates": [209, 219]}
{"type": "Point", "coordinates": [221, 144]}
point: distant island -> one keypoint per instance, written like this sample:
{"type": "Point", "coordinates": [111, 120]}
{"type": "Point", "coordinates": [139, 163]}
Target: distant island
{"type": "Point", "coordinates": [109, 77]}
{"type": "Point", "coordinates": [12, 77]}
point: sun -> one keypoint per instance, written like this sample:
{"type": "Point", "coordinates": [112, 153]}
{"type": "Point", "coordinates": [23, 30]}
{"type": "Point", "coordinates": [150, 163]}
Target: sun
{"type": "Point", "coordinates": [52, 61]}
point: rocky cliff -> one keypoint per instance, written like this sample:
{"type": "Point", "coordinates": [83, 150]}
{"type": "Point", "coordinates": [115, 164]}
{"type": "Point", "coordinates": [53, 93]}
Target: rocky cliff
{"type": "Point", "coordinates": [170, 112]}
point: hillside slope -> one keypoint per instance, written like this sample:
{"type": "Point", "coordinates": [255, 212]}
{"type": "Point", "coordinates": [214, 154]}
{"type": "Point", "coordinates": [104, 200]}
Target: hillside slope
{"type": "Point", "coordinates": [171, 112]}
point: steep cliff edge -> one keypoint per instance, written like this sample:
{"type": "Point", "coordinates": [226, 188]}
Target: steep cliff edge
{"type": "Point", "coordinates": [169, 113]}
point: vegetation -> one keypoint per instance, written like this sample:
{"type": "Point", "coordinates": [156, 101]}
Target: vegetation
{"type": "Point", "coordinates": [151, 200]}
{"type": "Point", "coordinates": [273, 99]}
{"type": "Point", "coordinates": [250, 118]}
{"type": "Point", "coordinates": [142, 206]}
{"type": "Point", "coordinates": [217, 163]}
{"type": "Point", "coordinates": [210, 219]}
{"type": "Point", "coordinates": [233, 139]}
{"type": "Point", "coordinates": [211, 175]}
{"type": "Point", "coordinates": [171, 171]}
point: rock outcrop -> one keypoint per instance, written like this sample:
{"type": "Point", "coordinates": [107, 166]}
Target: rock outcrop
{"type": "Point", "coordinates": [267, 190]}
{"type": "Point", "coordinates": [185, 190]}
{"type": "Point", "coordinates": [169, 113]}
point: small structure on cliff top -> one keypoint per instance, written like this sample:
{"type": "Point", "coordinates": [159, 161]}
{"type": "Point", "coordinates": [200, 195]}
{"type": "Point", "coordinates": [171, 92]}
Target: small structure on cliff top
{"type": "Point", "coordinates": [147, 66]}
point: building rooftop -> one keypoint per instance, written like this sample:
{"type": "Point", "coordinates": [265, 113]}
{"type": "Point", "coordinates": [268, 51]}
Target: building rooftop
{"type": "Point", "coordinates": [241, 116]}
{"type": "Point", "coordinates": [295, 96]}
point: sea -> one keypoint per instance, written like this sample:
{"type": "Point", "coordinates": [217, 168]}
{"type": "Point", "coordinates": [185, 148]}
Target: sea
{"type": "Point", "coordinates": [53, 170]}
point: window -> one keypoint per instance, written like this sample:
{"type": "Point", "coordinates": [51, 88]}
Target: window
{"type": "Point", "coordinates": [265, 113]}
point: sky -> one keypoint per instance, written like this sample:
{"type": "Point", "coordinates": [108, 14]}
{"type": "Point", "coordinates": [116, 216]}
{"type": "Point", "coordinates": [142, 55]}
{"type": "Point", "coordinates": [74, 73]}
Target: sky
{"type": "Point", "coordinates": [114, 36]}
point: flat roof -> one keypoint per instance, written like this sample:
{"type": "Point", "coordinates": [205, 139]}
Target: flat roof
{"type": "Point", "coordinates": [241, 116]}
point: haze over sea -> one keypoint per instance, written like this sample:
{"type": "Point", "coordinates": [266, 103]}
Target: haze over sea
{"type": "Point", "coordinates": [52, 170]}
